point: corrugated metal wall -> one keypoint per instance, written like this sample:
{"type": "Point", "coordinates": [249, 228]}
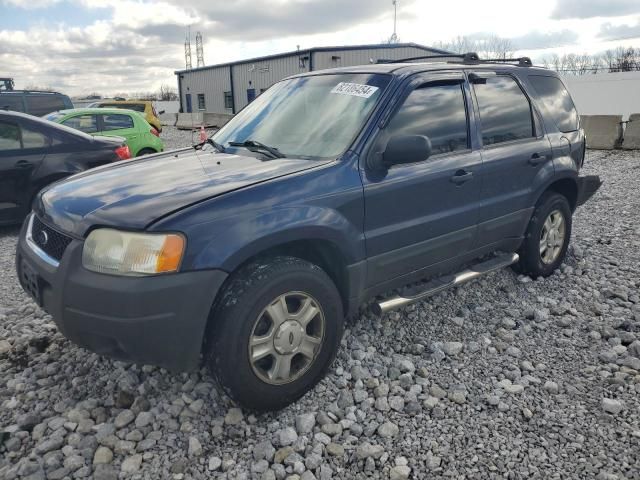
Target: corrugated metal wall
{"type": "Point", "coordinates": [212, 82]}
{"type": "Point", "coordinates": [348, 58]}
{"type": "Point", "coordinates": [260, 75]}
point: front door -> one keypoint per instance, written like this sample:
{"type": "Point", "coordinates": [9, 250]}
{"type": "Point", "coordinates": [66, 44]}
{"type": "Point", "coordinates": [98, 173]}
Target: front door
{"type": "Point", "coordinates": [21, 152]}
{"type": "Point", "coordinates": [516, 156]}
{"type": "Point", "coordinates": [420, 214]}
{"type": "Point", "coordinates": [189, 107]}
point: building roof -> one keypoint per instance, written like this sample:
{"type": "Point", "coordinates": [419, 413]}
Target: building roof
{"type": "Point", "coordinates": [309, 51]}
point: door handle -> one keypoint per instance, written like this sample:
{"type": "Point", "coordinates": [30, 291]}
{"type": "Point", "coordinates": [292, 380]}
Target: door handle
{"type": "Point", "coordinates": [537, 159]}
{"type": "Point", "coordinates": [23, 164]}
{"type": "Point", "coordinates": [461, 176]}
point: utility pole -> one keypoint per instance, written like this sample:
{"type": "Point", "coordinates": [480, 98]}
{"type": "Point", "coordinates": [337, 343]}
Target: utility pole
{"type": "Point", "coordinates": [187, 50]}
{"type": "Point", "coordinates": [199, 50]}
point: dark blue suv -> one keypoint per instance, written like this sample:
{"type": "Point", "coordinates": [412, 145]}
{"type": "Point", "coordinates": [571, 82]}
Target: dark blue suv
{"type": "Point", "coordinates": [387, 181]}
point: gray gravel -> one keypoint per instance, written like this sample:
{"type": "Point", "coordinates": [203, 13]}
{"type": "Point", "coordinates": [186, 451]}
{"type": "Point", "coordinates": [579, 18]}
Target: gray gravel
{"type": "Point", "coordinates": [502, 378]}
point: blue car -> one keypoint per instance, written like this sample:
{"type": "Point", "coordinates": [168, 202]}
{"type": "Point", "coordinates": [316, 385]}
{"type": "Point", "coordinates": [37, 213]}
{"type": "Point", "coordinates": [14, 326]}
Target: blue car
{"type": "Point", "coordinates": [246, 252]}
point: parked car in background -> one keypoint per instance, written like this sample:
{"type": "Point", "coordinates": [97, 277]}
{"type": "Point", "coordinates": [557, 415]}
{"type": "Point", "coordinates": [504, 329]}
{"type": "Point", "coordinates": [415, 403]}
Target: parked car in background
{"type": "Point", "coordinates": [142, 138]}
{"type": "Point", "coordinates": [142, 106]}
{"type": "Point", "coordinates": [331, 188]}
{"type": "Point", "coordinates": [35, 103]}
{"type": "Point", "coordinates": [35, 153]}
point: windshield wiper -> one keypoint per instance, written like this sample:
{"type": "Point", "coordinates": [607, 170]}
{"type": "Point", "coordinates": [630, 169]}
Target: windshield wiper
{"type": "Point", "coordinates": [255, 146]}
{"type": "Point", "coordinates": [211, 142]}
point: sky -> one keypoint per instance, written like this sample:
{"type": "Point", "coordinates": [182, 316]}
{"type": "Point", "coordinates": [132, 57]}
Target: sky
{"type": "Point", "coordinates": [114, 46]}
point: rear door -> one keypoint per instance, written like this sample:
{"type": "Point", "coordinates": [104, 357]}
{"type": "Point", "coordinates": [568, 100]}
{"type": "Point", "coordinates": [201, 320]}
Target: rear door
{"type": "Point", "coordinates": [420, 214]}
{"type": "Point", "coordinates": [22, 150]}
{"type": "Point", "coordinates": [516, 155]}
{"type": "Point", "coordinates": [121, 125]}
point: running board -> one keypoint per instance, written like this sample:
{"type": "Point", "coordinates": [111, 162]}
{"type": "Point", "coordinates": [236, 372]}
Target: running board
{"type": "Point", "coordinates": [442, 283]}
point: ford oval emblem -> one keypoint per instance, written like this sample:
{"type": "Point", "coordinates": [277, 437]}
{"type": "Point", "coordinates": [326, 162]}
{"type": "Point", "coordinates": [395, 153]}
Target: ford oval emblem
{"type": "Point", "coordinates": [43, 237]}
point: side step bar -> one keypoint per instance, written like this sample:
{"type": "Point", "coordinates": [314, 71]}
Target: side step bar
{"type": "Point", "coordinates": [439, 284]}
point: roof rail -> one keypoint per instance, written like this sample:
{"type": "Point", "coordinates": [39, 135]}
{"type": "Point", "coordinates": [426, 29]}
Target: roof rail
{"type": "Point", "coordinates": [469, 57]}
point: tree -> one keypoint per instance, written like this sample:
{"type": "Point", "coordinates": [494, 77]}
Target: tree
{"type": "Point", "coordinates": [39, 88]}
{"type": "Point", "coordinates": [167, 93]}
{"type": "Point", "coordinates": [488, 47]}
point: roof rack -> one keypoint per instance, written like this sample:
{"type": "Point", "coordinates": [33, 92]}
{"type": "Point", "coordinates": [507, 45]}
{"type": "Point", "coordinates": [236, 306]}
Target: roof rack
{"type": "Point", "coordinates": [469, 57]}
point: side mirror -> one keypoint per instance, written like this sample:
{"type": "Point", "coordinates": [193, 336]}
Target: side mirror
{"type": "Point", "coordinates": [406, 149]}
{"type": "Point", "coordinates": [160, 112]}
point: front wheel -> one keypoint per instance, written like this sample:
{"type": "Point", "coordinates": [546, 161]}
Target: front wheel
{"type": "Point", "coordinates": [275, 332]}
{"type": "Point", "coordinates": [547, 238]}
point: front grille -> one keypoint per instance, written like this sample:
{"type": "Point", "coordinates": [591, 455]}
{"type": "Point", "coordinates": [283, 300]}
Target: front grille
{"type": "Point", "coordinates": [50, 241]}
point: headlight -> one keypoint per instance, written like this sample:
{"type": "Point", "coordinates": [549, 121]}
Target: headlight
{"type": "Point", "coordinates": [128, 253]}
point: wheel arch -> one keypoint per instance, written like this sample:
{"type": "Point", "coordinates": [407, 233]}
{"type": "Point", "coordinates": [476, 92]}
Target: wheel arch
{"type": "Point", "coordinates": [322, 252]}
{"type": "Point", "coordinates": [566, 186]}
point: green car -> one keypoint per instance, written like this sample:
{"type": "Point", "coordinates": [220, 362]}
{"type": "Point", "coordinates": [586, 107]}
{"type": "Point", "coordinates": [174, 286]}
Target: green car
{"type": "Point", "coordinates": [141, 138]}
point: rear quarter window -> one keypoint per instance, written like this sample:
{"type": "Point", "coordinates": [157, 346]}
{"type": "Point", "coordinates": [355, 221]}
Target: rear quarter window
{"type": "Point", "coordinates": [11, 102]}
{"type": "Point", "coordinates": [39, 105]}
{"type": "Point", "coordinates": [558, 101]}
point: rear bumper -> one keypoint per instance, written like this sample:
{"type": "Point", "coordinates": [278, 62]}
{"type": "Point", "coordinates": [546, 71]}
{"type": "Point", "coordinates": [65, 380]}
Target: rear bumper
{"type": "Point", "coordinates": [588, 185]}
{"type": "Point", "coordinates": [157, 320]}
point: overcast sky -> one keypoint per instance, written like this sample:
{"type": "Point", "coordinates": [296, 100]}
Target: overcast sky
{"type": "Point", "coordinates": [109, 46]}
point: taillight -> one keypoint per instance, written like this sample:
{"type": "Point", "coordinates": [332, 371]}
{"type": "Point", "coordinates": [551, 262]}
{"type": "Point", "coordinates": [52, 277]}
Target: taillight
{"type": "Point", "coordinates": [155, 132]}
{"type": "Point", "coordinates": [123, 152]}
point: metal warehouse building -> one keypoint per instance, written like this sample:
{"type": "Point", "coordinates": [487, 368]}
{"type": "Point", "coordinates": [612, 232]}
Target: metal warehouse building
{"type": "Point", "coordinates": [226, 88]}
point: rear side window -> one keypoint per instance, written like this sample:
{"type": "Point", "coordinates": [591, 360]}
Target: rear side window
{"type": "Point", "coordinates": [436, 111]}
{"type": "Point", "coordinates": [9, 136]}
{"type": "Point", "coordinates": [505, 111]}
{"type": "Point", "coordinates": [40, 105]}
{"type": "Point", "coordinates": [84, 123]}
{"type": "Point", "coordinates": [116, 122]}
{"type": "Point", "coordinates": [33, 139]}
{"type": "Point", "coordinates": [11, 102]}
{"type": "Point", "coordinates": [557, 100]}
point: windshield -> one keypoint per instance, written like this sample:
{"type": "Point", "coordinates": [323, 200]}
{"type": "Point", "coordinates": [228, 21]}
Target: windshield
{"type": "Point", "coordinates": [307, 117]}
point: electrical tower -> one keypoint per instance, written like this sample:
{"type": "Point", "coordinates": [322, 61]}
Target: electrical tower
{"type": "Point", "coordinates": [199, 50]}
{"type": "Point", "coordinates": [394, 36]}
{"type": "Point", "coordinates": [187, 50]}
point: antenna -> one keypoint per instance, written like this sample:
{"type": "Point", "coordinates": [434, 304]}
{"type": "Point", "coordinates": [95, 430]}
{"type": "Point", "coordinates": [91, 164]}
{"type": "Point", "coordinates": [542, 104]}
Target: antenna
{"type": "Point", "coordinates": [199, 50]}
{"type": "Point", "coordinates": [187, 50]}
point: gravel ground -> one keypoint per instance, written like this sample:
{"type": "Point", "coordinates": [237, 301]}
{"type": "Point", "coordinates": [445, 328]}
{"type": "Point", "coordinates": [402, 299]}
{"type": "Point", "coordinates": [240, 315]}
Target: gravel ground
{"type": "Point", "coordinates": [502, 378]}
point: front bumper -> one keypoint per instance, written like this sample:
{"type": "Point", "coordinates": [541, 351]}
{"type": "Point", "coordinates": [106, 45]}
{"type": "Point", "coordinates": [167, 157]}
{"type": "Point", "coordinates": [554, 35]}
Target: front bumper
{"type": "Point", "coordinates": [588, 185]}
{"type": "Point", "coordinates": [158, 320]}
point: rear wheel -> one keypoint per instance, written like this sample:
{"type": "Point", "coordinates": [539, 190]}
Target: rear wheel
{"type": "Point", "coordinates": [547, 238]}
{"type": "Point", "coordinates": [275, 332]}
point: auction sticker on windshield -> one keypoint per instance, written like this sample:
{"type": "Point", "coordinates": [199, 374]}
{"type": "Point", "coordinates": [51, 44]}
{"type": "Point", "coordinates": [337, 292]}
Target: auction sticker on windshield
{"type": "Point", "coordinates": [354, 89]}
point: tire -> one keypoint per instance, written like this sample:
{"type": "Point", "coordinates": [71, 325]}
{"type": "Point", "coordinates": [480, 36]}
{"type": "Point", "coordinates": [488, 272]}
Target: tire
{"type": "Point", "coordinates": [244, 313]}
{"type": "Point", "coordinates": [541, 261]}
{"type": "Point", "coordinates": [146, 151]}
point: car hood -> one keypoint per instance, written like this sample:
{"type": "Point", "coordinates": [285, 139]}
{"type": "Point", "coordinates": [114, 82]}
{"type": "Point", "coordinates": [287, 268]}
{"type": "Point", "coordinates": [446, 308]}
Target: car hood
{"type": "Point", "coordinates": [134, 193]}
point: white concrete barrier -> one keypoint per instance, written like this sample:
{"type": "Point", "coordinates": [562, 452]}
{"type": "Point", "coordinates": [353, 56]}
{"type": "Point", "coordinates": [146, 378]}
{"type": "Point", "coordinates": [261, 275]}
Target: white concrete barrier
{"type": "Point", "coordinates": [168, 118]}
{"type": "Point", "coordinates": [216, 119]}
{"type": "Point", "coordinates": [604, 132]}
{"type": "Point", "coordinates": [632, 133]}
{"type": "Point", "coordinates": [188, 121]}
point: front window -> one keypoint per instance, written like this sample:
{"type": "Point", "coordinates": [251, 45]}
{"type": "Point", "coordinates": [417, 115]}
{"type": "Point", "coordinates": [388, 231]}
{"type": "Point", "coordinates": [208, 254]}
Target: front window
{"type": "Point", "coordinates": [308, 117]}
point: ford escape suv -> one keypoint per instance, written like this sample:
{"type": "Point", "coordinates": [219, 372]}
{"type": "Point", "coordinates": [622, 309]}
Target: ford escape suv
{"type": "Point", "coordinates": [388, 181]}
